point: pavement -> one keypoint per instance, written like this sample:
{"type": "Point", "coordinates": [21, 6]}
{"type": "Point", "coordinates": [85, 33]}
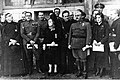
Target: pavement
{"type": "Point", "coordinates": [36, 75]}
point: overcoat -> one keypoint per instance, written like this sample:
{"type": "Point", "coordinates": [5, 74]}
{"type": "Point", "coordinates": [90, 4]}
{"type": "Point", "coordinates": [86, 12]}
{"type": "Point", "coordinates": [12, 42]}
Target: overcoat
{"type": "Point", "coordinates": [12, 59]}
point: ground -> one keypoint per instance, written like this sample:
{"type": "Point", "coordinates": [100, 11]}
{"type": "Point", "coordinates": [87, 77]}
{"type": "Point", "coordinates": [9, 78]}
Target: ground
{"type": "Point", "coordinates": [36, 75]}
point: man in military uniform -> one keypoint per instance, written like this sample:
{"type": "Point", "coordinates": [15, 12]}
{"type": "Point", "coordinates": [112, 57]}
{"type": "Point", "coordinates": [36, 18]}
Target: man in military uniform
{"type": "Point", "coordinates": [100, 7]}
{"type": "Point", "coordinates": [30, 34]}
{"type": "Point", "coordinates": [42, 21]}
{"type": "Point", "coordinates": [79, 37]}
{"type": "Point", "coordinates": [114, 36]}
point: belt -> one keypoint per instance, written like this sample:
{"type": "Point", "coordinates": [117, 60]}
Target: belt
{"type": "Point", "coordinates": [74, 36]}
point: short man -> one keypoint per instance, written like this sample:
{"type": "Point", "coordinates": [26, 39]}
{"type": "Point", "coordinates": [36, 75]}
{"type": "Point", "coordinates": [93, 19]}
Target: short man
{"type": "Point", "coordinates": [79, 37]}
{"type": "Point", "coordinates": [30, 34]}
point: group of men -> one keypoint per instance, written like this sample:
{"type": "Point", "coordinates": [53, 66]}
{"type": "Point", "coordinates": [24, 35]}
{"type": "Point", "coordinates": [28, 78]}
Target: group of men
{"type": "Point", "coordinates": [34, 37]}
{"type": "Point", "coordinates": [72, 36]}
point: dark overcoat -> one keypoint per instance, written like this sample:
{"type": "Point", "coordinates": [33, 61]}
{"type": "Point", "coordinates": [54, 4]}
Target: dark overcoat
{"type": "Point", "coordinates": [12, 60]}
{"type": "Point", "coordinates": [101, 34]}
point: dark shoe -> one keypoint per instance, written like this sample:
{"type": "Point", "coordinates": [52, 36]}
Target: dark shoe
{"type": "Point", "coordinates": [84, 76]}
{"type": "Point", "coordinates": [79, 74]}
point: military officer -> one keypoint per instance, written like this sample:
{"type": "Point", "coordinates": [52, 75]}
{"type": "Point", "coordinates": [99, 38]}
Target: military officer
{"type": "Point", "coordinates": [30, 34]}
{"type": "Point", "coordinates": [114, 36]}
{"type": "Point", "coordinates": [79, 37]}
{"type": "Point", "coordinates": [100, 7]}
{"type": "Point", "coordinates": [42, 21]}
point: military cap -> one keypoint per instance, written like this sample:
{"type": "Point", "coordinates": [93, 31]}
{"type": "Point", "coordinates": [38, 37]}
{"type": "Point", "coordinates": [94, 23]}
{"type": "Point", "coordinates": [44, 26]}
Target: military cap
{"type": "Point", "coordinates": [99, 5]}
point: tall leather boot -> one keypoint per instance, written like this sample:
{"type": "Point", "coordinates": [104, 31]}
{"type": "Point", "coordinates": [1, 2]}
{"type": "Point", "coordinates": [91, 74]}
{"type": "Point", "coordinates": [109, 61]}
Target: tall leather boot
{"type": "Point", "coordinates": [78, 67]}
{"type": "Point", "coordinates": [30, 67]}
{"type": "Point", "coordinates": [84, 71]}
{"type": "Point", "coordinates": [38, 66]}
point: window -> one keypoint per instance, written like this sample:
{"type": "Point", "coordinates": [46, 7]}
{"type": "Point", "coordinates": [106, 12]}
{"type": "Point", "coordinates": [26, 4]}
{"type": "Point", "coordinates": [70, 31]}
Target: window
{"type": "Point", "coordinates": [14, 2]}
{"type": "Point", "coordinates": [43, 2]}
{"type": "Point", "coordinates": [73, 1]}
{"type": "Point", "coordinates": [108, 0]}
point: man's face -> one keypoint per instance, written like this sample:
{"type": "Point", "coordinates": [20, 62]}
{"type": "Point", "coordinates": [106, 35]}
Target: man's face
{"type": "Point", "coordinates": [78, 15]}
{"type": "Point", "coordinates": [66, 16]}
{"type": "Point", "coordinates": [9, 18]}
{"type": "Point", "coordinates": [57, 12]}
{"type": "Point", "coordinates": [113, 14]}
{"type": "Point", "coordinates": [41, 16]}
{"type": "Point", "coordinates": [23, 16]}
{"type": "Point", "coordinates": [28, 16]}
{"type": "Point", "coordinates": [99, 9]}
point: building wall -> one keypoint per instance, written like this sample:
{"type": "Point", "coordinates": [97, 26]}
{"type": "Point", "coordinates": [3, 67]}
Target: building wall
{"type": "Point", "coordinates": [17, 12]}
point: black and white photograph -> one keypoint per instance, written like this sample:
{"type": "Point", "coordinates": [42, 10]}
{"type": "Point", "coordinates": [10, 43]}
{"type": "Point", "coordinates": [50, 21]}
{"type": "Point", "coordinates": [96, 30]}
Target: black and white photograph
{"type": "Point", "coordinates": [60, 39]}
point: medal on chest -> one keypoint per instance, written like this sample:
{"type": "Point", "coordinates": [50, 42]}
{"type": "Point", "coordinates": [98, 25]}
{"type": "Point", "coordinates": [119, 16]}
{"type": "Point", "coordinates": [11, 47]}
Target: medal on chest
{"type": "Point", "coordinates": [55, 35]}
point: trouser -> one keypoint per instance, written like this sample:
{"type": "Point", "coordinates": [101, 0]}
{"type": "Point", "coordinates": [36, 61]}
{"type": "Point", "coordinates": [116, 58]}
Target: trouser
{"type": "Point", "coordinates": [29, 54]}
{"type": "Point", "coordinates": [80, 57]}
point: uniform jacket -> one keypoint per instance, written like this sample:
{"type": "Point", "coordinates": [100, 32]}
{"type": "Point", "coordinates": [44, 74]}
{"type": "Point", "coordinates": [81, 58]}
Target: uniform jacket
{"type": "Point", "coordinates": [43, 25]}
{"type": "Point", "coordinates": [115, 32]}
{"type": "Point", "coordinates": [79, 35]}
{"type": "Point", "coordinates": [29, 31]}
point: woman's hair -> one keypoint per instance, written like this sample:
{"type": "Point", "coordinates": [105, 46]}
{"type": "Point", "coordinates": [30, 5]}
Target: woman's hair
{"type": "Point", "coordinates": [53, 17]}
{"type": "Point", "coordinates": [66, 11]}
{"type": "Point", "coordinates": [101, 15]}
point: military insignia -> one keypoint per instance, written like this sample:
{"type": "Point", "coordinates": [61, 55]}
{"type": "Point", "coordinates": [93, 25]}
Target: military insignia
{"type": "Point", "coordinates": [15, 30]}
{"type": "Point", "coordinates": [83, 24]}
{"type": "Point", "coordinates": [55, 35]}
{"type": "Point", "coordinates": [113, 29]}
{"type": "Point", "coordinates": [102, 26]}
{"type": "Point", "coordinates": [30, 33]}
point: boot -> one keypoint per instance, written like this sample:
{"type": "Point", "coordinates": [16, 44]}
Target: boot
{"type": "Point", "coordinates": [101, 72]}
{"type": "Point", "coordinates": [79, 68]}
{"type": "Point", "coordinates": [38, 66]}
{"type": "Point", "coordinates": [97, 72]}
{"type": "Point", "coordinates": [30, 67]}
{"type": "Point", "coordinates": [84, 71]}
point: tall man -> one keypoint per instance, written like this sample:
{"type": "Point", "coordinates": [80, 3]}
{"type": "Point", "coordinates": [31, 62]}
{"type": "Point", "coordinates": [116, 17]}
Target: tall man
{"type": "Point", "coordinates": [66, 56]}
{"type": "Point", "coordinates": [114, 36]}
{"type": "Point", "coordinates": [43, 24]}
{"type": "Point", "coordinates": [58, 23]}
{"type": "Point", "coordinates": [79, 37]}
{"type": "Point", "coordinates": [30, 34]}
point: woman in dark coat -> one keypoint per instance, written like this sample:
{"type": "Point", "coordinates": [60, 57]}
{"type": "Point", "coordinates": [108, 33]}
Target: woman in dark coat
{"type": "Point", "coordinates": [100, 34]}
{"type": "Point", "coordinates": [12, 62]}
